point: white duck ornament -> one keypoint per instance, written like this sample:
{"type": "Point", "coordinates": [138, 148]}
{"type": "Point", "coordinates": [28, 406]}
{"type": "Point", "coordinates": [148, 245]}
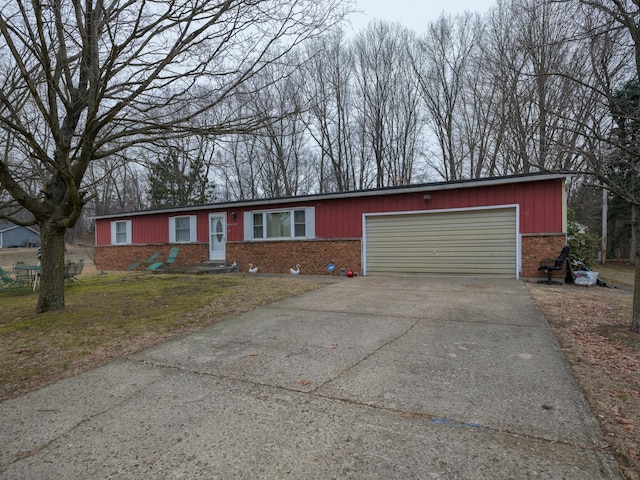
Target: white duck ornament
{"type": "Point", "coordinates": [252, 269]}
{"type": "Point", "coordinates": [295, 271]}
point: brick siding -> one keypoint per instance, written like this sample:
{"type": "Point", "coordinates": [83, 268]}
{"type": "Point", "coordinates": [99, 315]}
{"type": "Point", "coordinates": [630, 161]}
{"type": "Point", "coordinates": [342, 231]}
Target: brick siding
{"type": "Point", "coordinates": [536, 248]}
{"type": "Point", "coordinates": [312, 255]}
{"type": "Point", "coordinates": [270, 257]}
{"type": "Point", "coordinates": [119, 257]}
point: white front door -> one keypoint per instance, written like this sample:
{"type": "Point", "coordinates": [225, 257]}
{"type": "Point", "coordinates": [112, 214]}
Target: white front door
{"type": "Point", "coordinates": [217, 236]}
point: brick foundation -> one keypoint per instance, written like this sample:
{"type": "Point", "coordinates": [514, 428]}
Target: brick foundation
{"type": "Point", "coordinates": [538, 247]}
{"type": "Point", "coordinates": [312, 255]}
{"type": "Point", "coordinates": [270, 257]}
{"type": "Point", "coordinates": [120, 257]}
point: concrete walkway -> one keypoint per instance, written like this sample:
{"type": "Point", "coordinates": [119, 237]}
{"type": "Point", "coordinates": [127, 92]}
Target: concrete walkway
{"type": "Point", "coordinates": [371, 377]}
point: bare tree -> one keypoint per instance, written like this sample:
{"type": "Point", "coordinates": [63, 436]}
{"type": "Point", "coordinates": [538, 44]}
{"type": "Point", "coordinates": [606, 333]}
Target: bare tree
{"type": "Point", "coordinates": [512, 110]}
{"type": "Point", "coordinates": [239, 166]}
{"type": "Point", "coordinates": [82, 80]}
{"type": "Point", "coordinates": [115, 183]}
{"type": "Point", "coordinates": [544, 38]}
{"type": "Point", "coordinates": [440, 63]}
{"type": "Point", "coordinates": [388, 102]}
{"type": "Point", "coordinates": [610, 32]}
{"type": "Point", "coordinates": [332, 111]}
{"type": "Point", "coordinates": [282, 143]}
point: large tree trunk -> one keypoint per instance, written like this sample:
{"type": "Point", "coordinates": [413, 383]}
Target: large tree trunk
{"type": "Point", "coordinates": [635, 321]}
{"type": "Point", "coordinates": [51, 295]}
{"type": "Point", "coordinates": [633, 244]}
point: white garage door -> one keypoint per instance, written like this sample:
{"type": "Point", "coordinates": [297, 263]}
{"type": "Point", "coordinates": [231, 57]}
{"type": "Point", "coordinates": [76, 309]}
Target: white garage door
{"type": "Point", "coordinates": [460, 242]}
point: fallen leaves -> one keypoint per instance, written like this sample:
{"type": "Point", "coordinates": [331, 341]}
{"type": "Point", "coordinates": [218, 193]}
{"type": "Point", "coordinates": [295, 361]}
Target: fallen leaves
{"type": "Point", "coordinates": [593, 328]}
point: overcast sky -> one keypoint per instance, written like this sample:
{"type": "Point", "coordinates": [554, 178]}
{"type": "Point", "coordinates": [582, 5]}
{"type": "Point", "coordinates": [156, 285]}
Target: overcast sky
{"type": "Point", "coordinates": [413, 14]}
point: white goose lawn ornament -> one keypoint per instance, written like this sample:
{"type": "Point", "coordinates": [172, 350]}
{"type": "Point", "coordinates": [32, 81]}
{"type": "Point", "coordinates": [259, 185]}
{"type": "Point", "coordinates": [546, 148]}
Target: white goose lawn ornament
{"type": "Point", "coordinates": [295, 271]}
{"type": "Point", "coordinates": [252, 269]}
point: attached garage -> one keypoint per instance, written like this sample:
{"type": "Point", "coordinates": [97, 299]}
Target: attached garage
{"type": "Point", "coordinates": [476, 241]}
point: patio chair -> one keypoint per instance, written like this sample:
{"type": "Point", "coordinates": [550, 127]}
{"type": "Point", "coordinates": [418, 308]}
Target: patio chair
{"type": "Point", "coordinates": [152, 259]}
{"type": "Point", "coordinates": [70, 269]}
{"type": "Point", "coordinates": [77, 271]}
{"type": "Point", "coordinates": [550, 265]}
{"type": "Point", "coordinates": [133, 266]}
{"type": "Point", "coordinates": [23, 276]}
{"type": "Point", "coordinates": [80, 266]}
{"type": "Point", "coordinates": [7, 281]}
{"type": "Point", "coordinates": [171, 259]}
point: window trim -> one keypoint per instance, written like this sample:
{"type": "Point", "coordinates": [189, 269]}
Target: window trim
{"type": "Point", "coordinates": [193, 229]}
{"type": "Point", "coordinates": [114, 232]}
{"type": "Point", "coordinates": [309, 224]}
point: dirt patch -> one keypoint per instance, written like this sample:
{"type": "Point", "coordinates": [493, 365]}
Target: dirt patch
{"type": "Point", "coordinates": [592, 325]}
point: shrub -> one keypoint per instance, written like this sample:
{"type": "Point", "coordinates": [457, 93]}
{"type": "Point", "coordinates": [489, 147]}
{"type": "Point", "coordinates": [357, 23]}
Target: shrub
{"type": "Point", "coordinates": [583, 243]}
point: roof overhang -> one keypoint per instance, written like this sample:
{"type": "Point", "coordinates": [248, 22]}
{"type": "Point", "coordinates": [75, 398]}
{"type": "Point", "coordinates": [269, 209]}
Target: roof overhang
{"type": "Point", "coordinates": [7, 226]}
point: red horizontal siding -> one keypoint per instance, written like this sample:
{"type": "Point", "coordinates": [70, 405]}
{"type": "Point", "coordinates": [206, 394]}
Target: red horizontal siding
{"type": "Point", "coordinates": [541, 207]}
{"type": "Point", "coordinates": [152, 229]}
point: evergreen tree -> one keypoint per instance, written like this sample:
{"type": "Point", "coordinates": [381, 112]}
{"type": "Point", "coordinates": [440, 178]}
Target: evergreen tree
{"type": "Point", "coordinates": [176, 182]}
{"type": "Point", "coordinates": [623, 166]}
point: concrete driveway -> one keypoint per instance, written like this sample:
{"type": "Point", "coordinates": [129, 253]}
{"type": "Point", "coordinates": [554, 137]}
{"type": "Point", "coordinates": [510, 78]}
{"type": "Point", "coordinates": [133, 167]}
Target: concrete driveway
{"type": "Point", "coordinates": [371, 377]}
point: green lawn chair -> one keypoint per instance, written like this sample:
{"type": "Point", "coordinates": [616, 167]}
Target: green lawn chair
{"type": "Point", "coordinates": [171, 259]}
{"type": "Point", "coordinates": [152, 259]}
{"type": "Point", "coordinates": [7, 281]}
{"type": "Point", "coordinates": [133, 266]}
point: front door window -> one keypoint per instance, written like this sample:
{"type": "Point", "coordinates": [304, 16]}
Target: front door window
{"type": "Point", "coordinates": [217, 229]}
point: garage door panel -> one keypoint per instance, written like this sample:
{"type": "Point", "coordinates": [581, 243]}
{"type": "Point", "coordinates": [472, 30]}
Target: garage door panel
{"type": "Point", "coordinates": [478, 242]}
{"type": "Point", "coordinates": [435, 234]}
{"type": "Point", "coordinates": [450, 253]}
{"type": "Point", "coordinates": [483, 229]}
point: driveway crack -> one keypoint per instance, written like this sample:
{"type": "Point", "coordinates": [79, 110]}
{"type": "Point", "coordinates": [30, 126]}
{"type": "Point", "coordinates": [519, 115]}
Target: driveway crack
{"type": "Point", "coordinates": [369, 355]}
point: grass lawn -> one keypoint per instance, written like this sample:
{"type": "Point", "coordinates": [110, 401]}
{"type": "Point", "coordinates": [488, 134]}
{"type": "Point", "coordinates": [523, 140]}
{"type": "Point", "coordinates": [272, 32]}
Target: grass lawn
{"type": "Point", "coordinates": [109, 316]}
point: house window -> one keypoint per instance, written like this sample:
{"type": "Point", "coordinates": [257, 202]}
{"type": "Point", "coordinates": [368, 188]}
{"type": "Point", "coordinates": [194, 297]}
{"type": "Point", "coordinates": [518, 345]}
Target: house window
{"type": "Point", "coordinates": [182, 229]}
{"type": "Point", "coordinates": [299, 223]}
{"type": "Point", "coordinates": [121, 232]}
{"type": "Point", "coordinates": [280, 224]}
{"type": "Point", "coordinates": [258, 231]}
